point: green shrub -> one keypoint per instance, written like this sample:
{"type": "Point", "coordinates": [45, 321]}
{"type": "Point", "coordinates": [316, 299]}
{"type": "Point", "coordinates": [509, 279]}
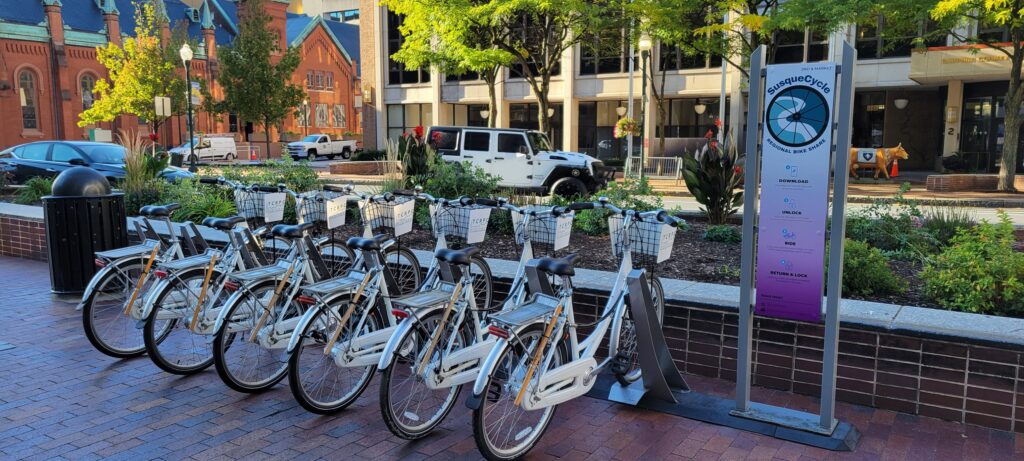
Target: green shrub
{"type": "Point", "coordinates": [297, 176]}
{"type": "Point", "coordinates": [34, 191]}
{"type": "Point", "coordinates": [943, 223]}
{"type": "Point", "coordinates": [895, 226]}
{"type": "Point", "coordinates": [866, 271]}
{"type": "Point", "coordinates": [149, 192]}
{"type": "Point", "coordinates": [722, 233]}
{"type": "Point", "coordinates": [713, 176]}
{"type": "Point", "coordinates": [369, 155]}
{"type": "Point", "coordinates": [198, 200]}
{"type": "Point", "coordinates": [454, 180]}
{"type": "Point", "coordinates": [629, 194]}
{"type": "Point", "coordinates": [979, 271]}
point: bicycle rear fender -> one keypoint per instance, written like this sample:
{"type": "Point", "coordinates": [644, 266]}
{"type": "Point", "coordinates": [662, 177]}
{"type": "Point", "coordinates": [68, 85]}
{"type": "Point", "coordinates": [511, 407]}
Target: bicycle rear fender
{"type": "Point", "coordinates": [223, 313]}
{"type": "Point", "coordinates": [304, 322]}
{"type": "Point", "coordinates": [406, 326]}
{"type": "Point", "coordinates": [99, 276]}
{"type": "Point", "coordinates": [486, 369]}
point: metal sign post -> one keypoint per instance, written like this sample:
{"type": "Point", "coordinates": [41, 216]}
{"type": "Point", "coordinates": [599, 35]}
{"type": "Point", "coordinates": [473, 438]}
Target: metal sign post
{"type": "Point", "coordinates": [798, 127]}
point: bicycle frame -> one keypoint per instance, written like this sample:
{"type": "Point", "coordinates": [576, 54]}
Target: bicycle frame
{"type": "Point", "coordinates": [576, 376]}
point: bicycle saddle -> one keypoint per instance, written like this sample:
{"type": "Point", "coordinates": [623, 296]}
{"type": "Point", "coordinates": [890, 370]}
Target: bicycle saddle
{"type": "Point", "coordinates": [558, 266]}
{"type": "Point", "coordinates": [222, 223]}
{"type": "Point", "coordinates": [460, 257]}
{"type": "Point", "coordinates": [159, 211]}
{"type": "Point", "coordinates": [291, 231]}
{"type": "Point", "coordinates": [359, 243]}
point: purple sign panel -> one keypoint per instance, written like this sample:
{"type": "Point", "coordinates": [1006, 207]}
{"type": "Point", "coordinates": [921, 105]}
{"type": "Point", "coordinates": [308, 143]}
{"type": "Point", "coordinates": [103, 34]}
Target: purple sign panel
{"type": "Point", "coordinates": [795, 161]}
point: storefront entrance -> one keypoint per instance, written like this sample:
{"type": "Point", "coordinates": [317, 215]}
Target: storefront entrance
{"type": "Point", "coordinates": [982, 128]}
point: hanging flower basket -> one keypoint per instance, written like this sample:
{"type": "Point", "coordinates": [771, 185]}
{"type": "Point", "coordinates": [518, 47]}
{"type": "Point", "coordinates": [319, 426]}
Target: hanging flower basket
{"type": "Point", "coordinates": [626, 127]}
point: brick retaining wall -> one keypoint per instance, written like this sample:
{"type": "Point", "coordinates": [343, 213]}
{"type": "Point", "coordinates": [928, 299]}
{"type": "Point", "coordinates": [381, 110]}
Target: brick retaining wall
{"type": "Point", "coordinates": [22, 237]}
{"type": "Point", "coordinates": [953, 379]}
{"type": "Point", "coordinates": [966, 182]}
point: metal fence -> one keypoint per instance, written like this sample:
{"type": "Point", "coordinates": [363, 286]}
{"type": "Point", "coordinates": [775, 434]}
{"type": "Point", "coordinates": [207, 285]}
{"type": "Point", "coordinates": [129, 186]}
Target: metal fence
{"type": "Point", "coordinates": [655, 167]}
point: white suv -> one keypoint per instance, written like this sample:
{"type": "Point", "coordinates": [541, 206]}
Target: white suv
{"type": "Point", "coordinates": [523, 159]}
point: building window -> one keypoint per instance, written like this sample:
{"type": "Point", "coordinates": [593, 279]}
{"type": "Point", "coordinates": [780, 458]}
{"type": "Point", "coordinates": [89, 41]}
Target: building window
{"type": "Point", "coordinates": [88, 84]}
{"type": "Point", "coordinates": [523, 28]}
{"type": "Point", "coordinates": [806, 45]}
{"type": "Point", "coordinates": [466, 76]}
{"type": "Point", "coordinates": [29, 109]}
{"type": "Point", "coordinates": [675, 58]}
{"type": "Point", "coordinates": [684, 121]}
{"type": "Point", "coordinates": [526, 116]}
{"type": "Point", "coordinates": [309, 80]}
{"type": "Point", "coordinates": [469, 114]}
{"type": "Point", "coordinates": [993, 33]}
{"type": "Point", "coordinates": [403, 118]}
{"type": "Point", "coordinates": [322, 116]}
{"type": "Point", "coordinates": [340, 116]}
{"type": "Point", "coordinates": [874, 43]}
{"type": "Point", "coordinates": [605, 53]}
{"type": "Point", "coordinates": [397, 73]}
{"type": "Point", "coordinates": [597, 125]}
{"type": "Point", "coordinates": [233, 123]}
{"type": "Point", "coordinates": [330, 81]}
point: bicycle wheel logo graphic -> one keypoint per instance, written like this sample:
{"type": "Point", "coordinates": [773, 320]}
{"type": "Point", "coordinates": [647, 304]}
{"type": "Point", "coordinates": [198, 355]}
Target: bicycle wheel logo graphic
{"type": "Point", "coordinates": [797, 116]}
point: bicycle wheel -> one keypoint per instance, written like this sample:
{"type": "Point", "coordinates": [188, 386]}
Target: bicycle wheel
{"type": "Point", "coordinates": [243, 365]}
{"type": "Point", "coordinates": [483, 282]}
{"type": "Point", "coordinates": [626, 366]}
{"type": "Point", "coordinates": [182, 351]}
{"type": "Point", "coordinates": [410, 408]}
{"type": "Point", "coordinates": [106, 326]}
{"type": "Point", "coordinates": [405, 268]}
{"type": "Point", "coordinates": [316, 381]}
{"type": "Point", "coordinates": [275, 248]}
{"type": "Point", "coordinates": [503, 430]}
{"type": "Point", "coordinates": [337, 257]}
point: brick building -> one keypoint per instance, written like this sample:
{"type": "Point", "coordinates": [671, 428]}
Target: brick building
{"type": "Point", "coordinates": [48, 64]}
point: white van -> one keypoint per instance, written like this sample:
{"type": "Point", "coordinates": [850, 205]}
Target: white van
{"type": "Point", "coordinates": [209, 148]}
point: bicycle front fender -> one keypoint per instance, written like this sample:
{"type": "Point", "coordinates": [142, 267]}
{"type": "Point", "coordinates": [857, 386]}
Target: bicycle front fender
{"type": "Point", "coordinates": [486, 368]}
{"type": "Point", "coordinates": [149, 302]}
{"type": "Point", "coordinates": [304, 322]}
{"type": "Point", "coordinates": [99, 276]}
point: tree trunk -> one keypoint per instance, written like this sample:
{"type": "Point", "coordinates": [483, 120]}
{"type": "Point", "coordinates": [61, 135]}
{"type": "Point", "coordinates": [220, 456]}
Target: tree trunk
{"type": "Point", "coordinates": [492, 102]}
{"type": "Point", "coordinates": [542, 117]}
{"type": "Point", "coordinates": [1008, 162]}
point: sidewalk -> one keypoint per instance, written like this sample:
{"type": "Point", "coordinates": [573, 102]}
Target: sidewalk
{"type": "Point", "coordinates": [62, 399]}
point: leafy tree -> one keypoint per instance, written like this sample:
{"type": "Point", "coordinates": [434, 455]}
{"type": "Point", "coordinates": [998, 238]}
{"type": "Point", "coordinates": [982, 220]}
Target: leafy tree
{"type": "Point", "coordinates": [536, 33]}
{"type": "Point", "coordinates": [141, 69]}
{"type": "Point", "coordinates": [256, 72]}
{"type": "Point", "coordinates": [439, 33]}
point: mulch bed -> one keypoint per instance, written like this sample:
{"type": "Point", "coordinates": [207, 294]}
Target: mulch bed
{"type": "Point", "coordinates": [693, 258]}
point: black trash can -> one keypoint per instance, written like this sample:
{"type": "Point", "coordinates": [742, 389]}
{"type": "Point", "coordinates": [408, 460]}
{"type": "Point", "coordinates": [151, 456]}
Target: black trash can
{"type": "Point", "coordinates": [81, 217]}
{"type": "Point", "coordinates": [177, 159]}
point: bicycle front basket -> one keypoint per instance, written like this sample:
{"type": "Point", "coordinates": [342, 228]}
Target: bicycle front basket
{"type": "Point", "coordinates": [465, 222]}
{"type": "Point", "coordinates": [396, 215]}
{"type": "Point", "coordinates": [545, 231]}
{"type": "Point", "coordinates": [649, 242]}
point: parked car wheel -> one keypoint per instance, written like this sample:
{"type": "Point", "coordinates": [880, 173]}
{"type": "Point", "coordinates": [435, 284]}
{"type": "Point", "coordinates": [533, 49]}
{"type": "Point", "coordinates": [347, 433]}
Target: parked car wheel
{"type": "Point", "coordinates": [346, 153]}
{"type": "Point", "coordinates": [229, 157]}
{"type": "Point", "coordinates": [569, 187]}
{"type": "Point", "coordinates": [193, 159]}
{"type": "Point", "coordinates": [311, 155]}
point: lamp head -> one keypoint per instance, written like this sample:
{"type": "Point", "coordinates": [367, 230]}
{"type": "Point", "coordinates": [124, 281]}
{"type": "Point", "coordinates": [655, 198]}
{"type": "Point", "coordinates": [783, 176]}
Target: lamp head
{"type": "Point", "coordinates": [186, 53]}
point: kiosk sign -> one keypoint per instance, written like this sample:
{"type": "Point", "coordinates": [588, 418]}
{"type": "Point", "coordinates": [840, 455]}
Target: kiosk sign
{"type": "Point", "coordinates": [795, 168]}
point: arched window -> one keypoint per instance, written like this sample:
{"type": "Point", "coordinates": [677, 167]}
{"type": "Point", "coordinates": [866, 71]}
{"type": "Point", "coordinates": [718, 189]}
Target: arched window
{"type": "Point", "coordinates": [27, 92]}
{"type": "Point", "coordinates": [87, 84]}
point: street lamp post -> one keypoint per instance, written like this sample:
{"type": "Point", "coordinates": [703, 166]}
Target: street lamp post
{"type": "Point", "coordinates": [186, 59]}
{"type": "Point", "coordinates": [645, 44]}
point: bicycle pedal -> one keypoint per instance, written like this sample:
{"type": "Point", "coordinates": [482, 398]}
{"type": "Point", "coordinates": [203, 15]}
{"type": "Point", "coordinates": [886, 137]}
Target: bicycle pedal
{"type": "Point", "coordinates": [619, 365]}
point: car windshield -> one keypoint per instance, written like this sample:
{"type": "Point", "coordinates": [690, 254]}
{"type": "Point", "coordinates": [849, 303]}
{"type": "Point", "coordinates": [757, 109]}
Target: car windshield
{"type": "Point", "coordinates": [538, 141]}
{"type": "Point", "coordinates": [311, 138]}
{"type": "Point", "coordinates": [104, 153]}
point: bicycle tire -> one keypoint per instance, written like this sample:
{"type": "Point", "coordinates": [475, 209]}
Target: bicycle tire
{"type": "Point", "coordinates": [88, 308]}
{"type": "Point", "coordinates": [486, 299]}
{"type": "Point", "coordinates": [410, 278]}
{"type": "Point", "coordinates": [339, 260]}
{"type": "Point", "coordinates": [159, 358]}
{"type": "Point", "coordinates": [222, 340]}
{"type": "Point", "coordinates": [295, 383]}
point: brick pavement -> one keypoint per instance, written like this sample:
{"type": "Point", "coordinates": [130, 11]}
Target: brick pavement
{"type": "Point", "coordinates": [59, 398]}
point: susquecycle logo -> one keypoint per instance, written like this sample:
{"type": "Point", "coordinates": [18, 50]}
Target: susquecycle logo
{"type": "Point", "coordinates": [800, 79]}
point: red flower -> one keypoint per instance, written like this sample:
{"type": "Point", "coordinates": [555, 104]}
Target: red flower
{"type": "Point", "coordinates": [714, 143]}
{"type": "Point", "coordinates": [405, 134]}
{"type": "Point", "coordinates": [708, 135]}
{"type": "Point", "coordinates": [737, 170]}
{"type": "Point", "coordinates": [154, 137]}
{"type": "Point", "coordinates": [418, 131]}
{"type": "Point", "coordinates": [718, 122]}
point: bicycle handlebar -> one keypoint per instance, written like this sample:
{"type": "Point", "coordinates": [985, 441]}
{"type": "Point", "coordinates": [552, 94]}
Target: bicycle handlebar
{"type": "Point", "coordinates": [488, 202]}
{"type": "Point", "coordinates": [404, 192]}
{"type": "Point", "coordinates": [336, 188]}
{"type": "Point", "coordinates": [210, 180]}
{"type": "Point", "coordinates": [262, 188]}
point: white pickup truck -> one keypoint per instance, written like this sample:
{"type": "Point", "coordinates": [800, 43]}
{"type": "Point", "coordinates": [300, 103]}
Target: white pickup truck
{"type": "Point", "coordinates": [320, 145]}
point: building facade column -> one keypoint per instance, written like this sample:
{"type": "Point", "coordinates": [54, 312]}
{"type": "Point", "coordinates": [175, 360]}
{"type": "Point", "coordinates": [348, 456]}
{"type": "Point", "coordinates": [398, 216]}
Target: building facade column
{"type": "Point", "coordinates": [380, 41]}
{"type": "Point", "coordinates": [60, 77]}
{"type": "Point", "coordinates": [951, 118]}
{"type": "Point", "coordinates": [570, 106]}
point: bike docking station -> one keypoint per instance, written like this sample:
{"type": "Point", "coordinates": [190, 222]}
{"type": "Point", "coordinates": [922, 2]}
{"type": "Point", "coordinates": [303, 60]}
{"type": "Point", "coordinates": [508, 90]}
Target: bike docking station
{"type": "Point", "coordinates": [793, 147]}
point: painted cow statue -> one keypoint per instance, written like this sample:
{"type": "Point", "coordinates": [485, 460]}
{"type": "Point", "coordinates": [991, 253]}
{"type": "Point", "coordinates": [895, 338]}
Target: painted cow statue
{"type": "Point", "coordinates": [880, 159]}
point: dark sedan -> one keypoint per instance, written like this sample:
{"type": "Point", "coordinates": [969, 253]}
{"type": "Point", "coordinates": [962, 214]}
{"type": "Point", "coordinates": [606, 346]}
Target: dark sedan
{"type": "Point", "coordinates": [50, 158]}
